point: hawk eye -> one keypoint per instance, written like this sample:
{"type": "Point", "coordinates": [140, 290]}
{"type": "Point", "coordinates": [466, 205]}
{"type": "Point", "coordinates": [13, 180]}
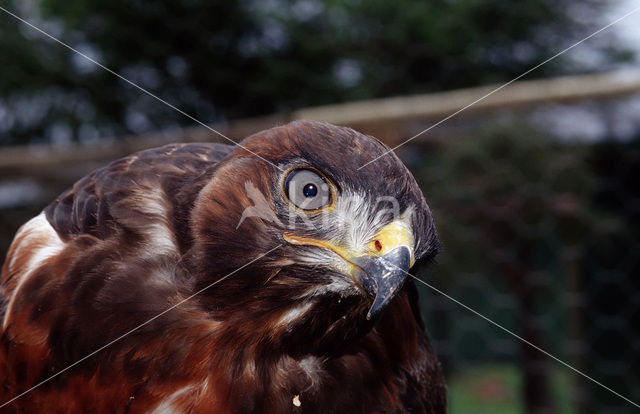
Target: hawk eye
{"type": "Point", "coordinates": [307, 190]}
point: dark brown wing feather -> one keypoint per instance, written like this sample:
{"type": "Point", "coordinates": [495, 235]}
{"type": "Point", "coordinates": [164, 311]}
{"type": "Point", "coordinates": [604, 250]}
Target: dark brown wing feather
{"type": "Point", "coordinates": [102, 262]}
{"type": "Point", "coordinates": [177, 170]}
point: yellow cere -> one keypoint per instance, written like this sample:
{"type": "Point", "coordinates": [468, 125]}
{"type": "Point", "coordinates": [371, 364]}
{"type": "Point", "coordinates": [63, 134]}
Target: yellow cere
{"type": "Point", "coordinates": [395, 234]}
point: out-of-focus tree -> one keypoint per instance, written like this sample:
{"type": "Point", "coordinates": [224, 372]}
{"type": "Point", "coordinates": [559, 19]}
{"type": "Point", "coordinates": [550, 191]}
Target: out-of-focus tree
{"type": "Point", "coordinates": [512, 203]}
{"type": "Point", "coordinates": [225, 59]}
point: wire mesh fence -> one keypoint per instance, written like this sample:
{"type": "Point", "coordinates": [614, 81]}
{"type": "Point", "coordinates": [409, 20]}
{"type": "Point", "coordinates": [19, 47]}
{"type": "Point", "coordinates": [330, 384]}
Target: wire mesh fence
{"type": "Point", "coordinates": [542, 237]}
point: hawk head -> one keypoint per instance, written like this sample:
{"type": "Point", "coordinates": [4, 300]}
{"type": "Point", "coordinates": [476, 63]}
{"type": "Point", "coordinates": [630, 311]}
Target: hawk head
{"type": "Point", "coordinates": [344, 236]}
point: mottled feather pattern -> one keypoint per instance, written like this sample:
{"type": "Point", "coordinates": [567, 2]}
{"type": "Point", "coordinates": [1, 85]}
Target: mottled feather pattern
{"type": "Point", "coordinates": [134, 238]}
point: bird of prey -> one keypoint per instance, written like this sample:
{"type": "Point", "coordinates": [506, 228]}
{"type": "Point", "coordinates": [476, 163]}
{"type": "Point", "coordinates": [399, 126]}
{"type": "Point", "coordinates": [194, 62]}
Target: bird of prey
{"type": "Point", "coordinates": [207, 278]}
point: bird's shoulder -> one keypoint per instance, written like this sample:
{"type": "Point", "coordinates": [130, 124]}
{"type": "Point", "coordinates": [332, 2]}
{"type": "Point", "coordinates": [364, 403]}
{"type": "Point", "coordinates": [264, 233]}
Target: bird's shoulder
{"type": "Point", "coordinates": [158, 184]}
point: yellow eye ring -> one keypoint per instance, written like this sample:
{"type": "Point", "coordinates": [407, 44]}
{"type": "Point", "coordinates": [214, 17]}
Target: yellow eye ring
{"type": "Point", "coordinates": [304, 196]}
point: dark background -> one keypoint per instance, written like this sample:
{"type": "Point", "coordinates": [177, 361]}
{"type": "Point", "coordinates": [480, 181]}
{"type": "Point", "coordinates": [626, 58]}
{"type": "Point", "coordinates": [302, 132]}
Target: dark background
{"type": "Point", "coordinates": [540, 225]}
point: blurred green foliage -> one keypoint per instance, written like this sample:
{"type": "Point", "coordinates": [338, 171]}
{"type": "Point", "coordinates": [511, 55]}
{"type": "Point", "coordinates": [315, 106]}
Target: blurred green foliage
{"type": "Point", "coordinates": [495, 388]}
{"type": "Point", "coordinates": [513, 188]}
{"type": "Point", "coordinates": [227, 59]}
{"type": "Point", "coordinates": [538, 235]}
{"type": "Point", "coordinates": [510, 203]}
{"type": "Point", "coordinates": [611, 266]}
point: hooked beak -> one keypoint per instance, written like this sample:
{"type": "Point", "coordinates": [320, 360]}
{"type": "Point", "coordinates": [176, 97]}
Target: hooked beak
{"type": "Point", "coordinates": [382, 276]}
{"type": "Point", "coordinates": [382, 269]}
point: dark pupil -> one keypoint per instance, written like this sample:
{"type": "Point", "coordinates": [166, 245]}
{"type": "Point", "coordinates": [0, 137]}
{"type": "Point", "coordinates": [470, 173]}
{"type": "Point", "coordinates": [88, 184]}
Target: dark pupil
{"type": "Point", "coordinates": [310, 190]}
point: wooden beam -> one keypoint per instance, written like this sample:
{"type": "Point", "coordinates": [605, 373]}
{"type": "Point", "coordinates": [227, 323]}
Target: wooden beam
{"type": "Point", "coordinates": [385, 118]}
{"type": "Point", "coordinates": [442, 104]}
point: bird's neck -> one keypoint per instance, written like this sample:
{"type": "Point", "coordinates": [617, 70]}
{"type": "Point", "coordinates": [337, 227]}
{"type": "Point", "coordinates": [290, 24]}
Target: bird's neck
{"type": "Point", "coordinates": [255, 372]}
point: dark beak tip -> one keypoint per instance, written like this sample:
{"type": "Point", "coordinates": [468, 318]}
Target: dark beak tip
{"type": "Point", "coordinates": [382, 277]}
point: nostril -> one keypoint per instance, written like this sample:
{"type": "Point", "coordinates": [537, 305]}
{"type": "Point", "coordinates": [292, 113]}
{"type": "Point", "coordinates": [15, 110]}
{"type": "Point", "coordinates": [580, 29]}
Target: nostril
{"type": "Point", "coordinates": [378, 245]}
